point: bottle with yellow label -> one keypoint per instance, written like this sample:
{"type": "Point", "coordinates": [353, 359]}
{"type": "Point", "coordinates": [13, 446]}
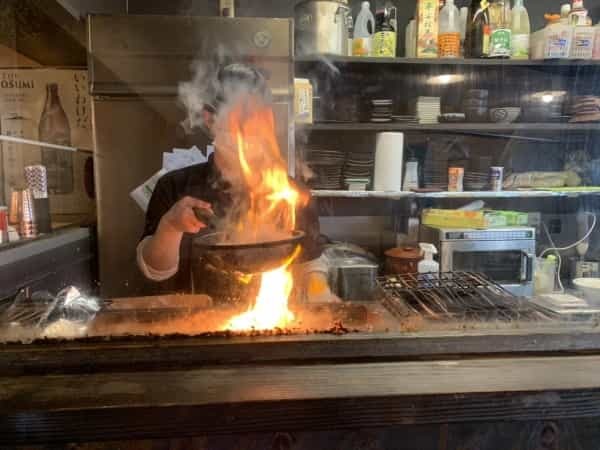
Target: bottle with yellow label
{"type": "Point", "coordinates": [385, 37]}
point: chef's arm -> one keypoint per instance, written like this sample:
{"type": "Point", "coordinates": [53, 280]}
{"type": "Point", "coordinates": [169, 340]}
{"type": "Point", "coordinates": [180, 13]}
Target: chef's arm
{"type": "Point", "coordinates": [158, 254]}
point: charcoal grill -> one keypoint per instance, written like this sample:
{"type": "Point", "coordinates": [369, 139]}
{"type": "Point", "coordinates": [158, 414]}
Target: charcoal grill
{"type": "Point", "coordinates": [456, 295]}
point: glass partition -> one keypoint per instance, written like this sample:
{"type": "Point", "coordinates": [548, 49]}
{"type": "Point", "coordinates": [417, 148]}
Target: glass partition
{"type": "Point", "coordinates": [298, 169]}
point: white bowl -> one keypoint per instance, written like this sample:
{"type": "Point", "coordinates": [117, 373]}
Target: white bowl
{"type": "Point", "coordinates": [590, 288]}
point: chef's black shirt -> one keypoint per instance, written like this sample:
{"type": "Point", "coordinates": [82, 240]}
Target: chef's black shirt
{"type": "Point", "coordinates": [204, 182]}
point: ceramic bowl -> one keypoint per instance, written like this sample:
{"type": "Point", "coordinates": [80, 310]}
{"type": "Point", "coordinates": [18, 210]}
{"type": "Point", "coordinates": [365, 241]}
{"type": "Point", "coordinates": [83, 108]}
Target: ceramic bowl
{"type": "Point", "coordinates": [505, 115]}
{"type": "Point", "coordinates": [590, 288]}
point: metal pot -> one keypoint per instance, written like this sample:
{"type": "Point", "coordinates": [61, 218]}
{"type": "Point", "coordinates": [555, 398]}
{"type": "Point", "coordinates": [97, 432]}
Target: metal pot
{"type": "Point", "coordinates": [321, 27]}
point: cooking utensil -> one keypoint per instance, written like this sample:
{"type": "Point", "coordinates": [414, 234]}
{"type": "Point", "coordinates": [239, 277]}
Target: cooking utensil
{"type": "Point", "coordinates": [321, 27]}
{"type": "Point", "coordinates": [207, 217]}
{"type": "Point", "coordinates": [252, 257]}
{"type": "Point", "coordinates": [402, 260]}
{"type": "Point", "coordinates": [463, 295]}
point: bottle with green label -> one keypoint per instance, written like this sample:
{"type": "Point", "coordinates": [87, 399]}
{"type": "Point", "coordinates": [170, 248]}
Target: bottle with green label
{"type": "Point", "coordinates": [521, 30]}
{"type": "Point", "coordinates": [500, 20]}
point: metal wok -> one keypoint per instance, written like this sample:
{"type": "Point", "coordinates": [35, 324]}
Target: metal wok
{"type": "Point", "coordinates": [254, 257]}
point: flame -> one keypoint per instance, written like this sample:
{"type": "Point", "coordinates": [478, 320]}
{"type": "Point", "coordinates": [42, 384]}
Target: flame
{"type": "Point", "coordinates": [271, 307]}
{"type": "Point", "coordinates": [272, 209]}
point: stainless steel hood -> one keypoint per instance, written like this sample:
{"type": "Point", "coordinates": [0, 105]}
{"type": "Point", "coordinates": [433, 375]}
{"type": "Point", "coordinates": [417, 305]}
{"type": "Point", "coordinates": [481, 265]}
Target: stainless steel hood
{"type": "Point", "coordinates": [136, 64]}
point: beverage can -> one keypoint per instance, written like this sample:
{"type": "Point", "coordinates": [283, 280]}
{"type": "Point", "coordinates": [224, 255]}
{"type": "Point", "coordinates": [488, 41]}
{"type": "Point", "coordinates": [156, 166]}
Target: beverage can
{"type": "Point", "coordinates": [496, 178]}
{"type": "Point", "coordinates": [456, 176]}
{"type": "Point", "coordinates": [3, 224]}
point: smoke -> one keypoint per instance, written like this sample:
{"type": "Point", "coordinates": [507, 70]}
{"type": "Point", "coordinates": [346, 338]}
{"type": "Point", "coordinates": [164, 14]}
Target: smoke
{"type": "Point", "coordinates": [242, 118]}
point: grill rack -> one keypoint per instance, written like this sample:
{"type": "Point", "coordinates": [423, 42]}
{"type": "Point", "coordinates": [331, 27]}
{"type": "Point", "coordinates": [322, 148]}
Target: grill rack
{"type": "Point", "coordinates": [456, 295]}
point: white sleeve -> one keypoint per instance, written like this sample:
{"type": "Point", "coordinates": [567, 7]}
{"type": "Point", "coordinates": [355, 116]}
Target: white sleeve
{"type": "Point", "coordinates": [149, 272]}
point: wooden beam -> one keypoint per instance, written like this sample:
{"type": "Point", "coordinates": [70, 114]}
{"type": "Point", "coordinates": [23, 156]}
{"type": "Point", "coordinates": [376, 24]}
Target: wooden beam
{"type": "Point", "coordinates": [296, 383]}
{"type": "Point", "coordinates": [162, 353]}
{"type": "Point", "coordinates": [322, 397]}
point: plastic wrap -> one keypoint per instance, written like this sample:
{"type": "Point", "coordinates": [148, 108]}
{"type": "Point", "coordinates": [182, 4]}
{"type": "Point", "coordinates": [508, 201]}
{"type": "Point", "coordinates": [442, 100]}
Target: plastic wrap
{"type": "Point", "coordinates": [42, 314]}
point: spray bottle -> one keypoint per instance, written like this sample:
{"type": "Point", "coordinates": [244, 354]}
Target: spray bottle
{"type": "Point", "coordinates": [428, 264]}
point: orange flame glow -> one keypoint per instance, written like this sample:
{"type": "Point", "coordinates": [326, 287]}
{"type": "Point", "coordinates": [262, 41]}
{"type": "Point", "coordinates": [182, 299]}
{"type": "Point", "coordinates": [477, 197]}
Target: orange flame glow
{"type": "Point", "coordinates": [271, 307]}
{"type": "Point", "coordinates": [272, 210]}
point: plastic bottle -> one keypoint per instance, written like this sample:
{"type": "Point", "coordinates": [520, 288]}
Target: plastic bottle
{"type": "Point", "coordinates": [449, 34]}
{"type": "Point", "coordinates": [521, 31]}
{"type": "Point", "coordinates": [464, 14]}
{"type": "Point", "coordinates": [350, 26]}
{"type": "Point", "coordinates": [410, 49]}
{"type": "Point", "coordinates": [565, 12]}
{"type": "Point", "coordinates": [427, 264]}
{"type": "Point", "coordinates": [363, 31]}
{"type": "Point", "coordinates": [579, 15]}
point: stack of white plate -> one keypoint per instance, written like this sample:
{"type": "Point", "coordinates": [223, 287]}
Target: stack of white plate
{"type": "Point", "coordinates": [358, 170]}
{"type": "Point", "coordinates": [428, 109]}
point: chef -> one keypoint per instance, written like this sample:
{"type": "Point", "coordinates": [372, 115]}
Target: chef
{"type": "Point", "coordinates": [165, 253]}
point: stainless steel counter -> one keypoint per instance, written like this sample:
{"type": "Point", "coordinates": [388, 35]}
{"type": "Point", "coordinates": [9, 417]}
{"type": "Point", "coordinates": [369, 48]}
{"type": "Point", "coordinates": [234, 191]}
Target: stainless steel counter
{"type": "Point", "coordinates": [50, 262]}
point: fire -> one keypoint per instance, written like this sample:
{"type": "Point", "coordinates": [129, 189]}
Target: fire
{"type": "Point", "coordinates": [272, 209]}
{"type": "Point", "coordinates": [271, 307]}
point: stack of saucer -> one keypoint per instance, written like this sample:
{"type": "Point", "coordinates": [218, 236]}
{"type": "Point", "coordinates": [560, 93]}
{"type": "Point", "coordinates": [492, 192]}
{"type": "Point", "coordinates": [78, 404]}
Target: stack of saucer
{"type": "Point", "coordinates": [381, 110]}
{"type": "Point", "coordinates": [585, 109]}
{"type": "Point", "coordinates": [358, 171]}
{"type": "Point", "coordinates": [428, 109]}
{"type": "Point", "coordinates": [412, 119]}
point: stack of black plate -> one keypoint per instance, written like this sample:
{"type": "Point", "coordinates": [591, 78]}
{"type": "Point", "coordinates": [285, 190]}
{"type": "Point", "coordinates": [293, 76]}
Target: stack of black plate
{"type": "Point", "coordinates": [327, 166]}
{"type": "Point", "coordinates": [381, 110]}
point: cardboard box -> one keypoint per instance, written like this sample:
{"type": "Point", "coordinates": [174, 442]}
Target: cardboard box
{"type": "Point", "coordinates": [427, 28]}
{"type": "Point", "coordinates": [22, 100]}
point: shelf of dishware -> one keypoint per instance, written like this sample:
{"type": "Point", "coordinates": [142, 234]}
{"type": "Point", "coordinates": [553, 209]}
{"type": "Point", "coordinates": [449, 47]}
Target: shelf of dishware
{"type": "Point", "coordinates": [452, 127]}
{"type": "Point", "coordinates": [335, 59]}
{"type": "Point", "coordinates": [570, 192]}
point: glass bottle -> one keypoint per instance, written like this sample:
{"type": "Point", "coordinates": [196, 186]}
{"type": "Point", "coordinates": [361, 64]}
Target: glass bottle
{"type": "Point", "coordinates": [477, 41]}
{"type": "Point", "coordinates": [501, 37]}
{"type": "Point", "coordinates": [54, 129]}
{"type": "Point", "coordinates": [521, 31]}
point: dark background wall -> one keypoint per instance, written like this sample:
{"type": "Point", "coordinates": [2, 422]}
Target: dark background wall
{"type": "Point", "coordinates": [284, 8]}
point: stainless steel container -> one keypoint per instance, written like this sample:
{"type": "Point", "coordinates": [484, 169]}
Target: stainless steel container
{"type": "Point", "coordinates": [321, 27]}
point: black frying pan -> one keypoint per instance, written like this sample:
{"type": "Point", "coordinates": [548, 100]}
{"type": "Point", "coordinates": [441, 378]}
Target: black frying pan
{"type": "Point", "coordinates": [248, 258]}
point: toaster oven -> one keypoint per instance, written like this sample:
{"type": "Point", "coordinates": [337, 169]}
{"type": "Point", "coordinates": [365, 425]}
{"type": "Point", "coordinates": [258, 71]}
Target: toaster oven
{"type": "Point", "coordinates": [506, 255]}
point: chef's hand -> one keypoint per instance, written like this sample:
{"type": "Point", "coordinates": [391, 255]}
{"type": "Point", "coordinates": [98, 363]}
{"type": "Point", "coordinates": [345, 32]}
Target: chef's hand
{"type": "Point", "coordinates": [181, 217]}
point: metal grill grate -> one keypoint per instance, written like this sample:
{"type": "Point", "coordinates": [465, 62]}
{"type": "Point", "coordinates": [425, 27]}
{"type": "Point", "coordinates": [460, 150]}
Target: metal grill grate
{"type": "Point", "coordinates": [456, 295]}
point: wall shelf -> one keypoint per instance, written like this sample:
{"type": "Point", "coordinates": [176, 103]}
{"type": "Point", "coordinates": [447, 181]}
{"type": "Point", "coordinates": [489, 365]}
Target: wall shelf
{"type": "Point", "coordinates": [334, 59]}
{"type": "Point", "coordinates": [452, 127]}
{"type": "Point", "coordinates": [449, 195]}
